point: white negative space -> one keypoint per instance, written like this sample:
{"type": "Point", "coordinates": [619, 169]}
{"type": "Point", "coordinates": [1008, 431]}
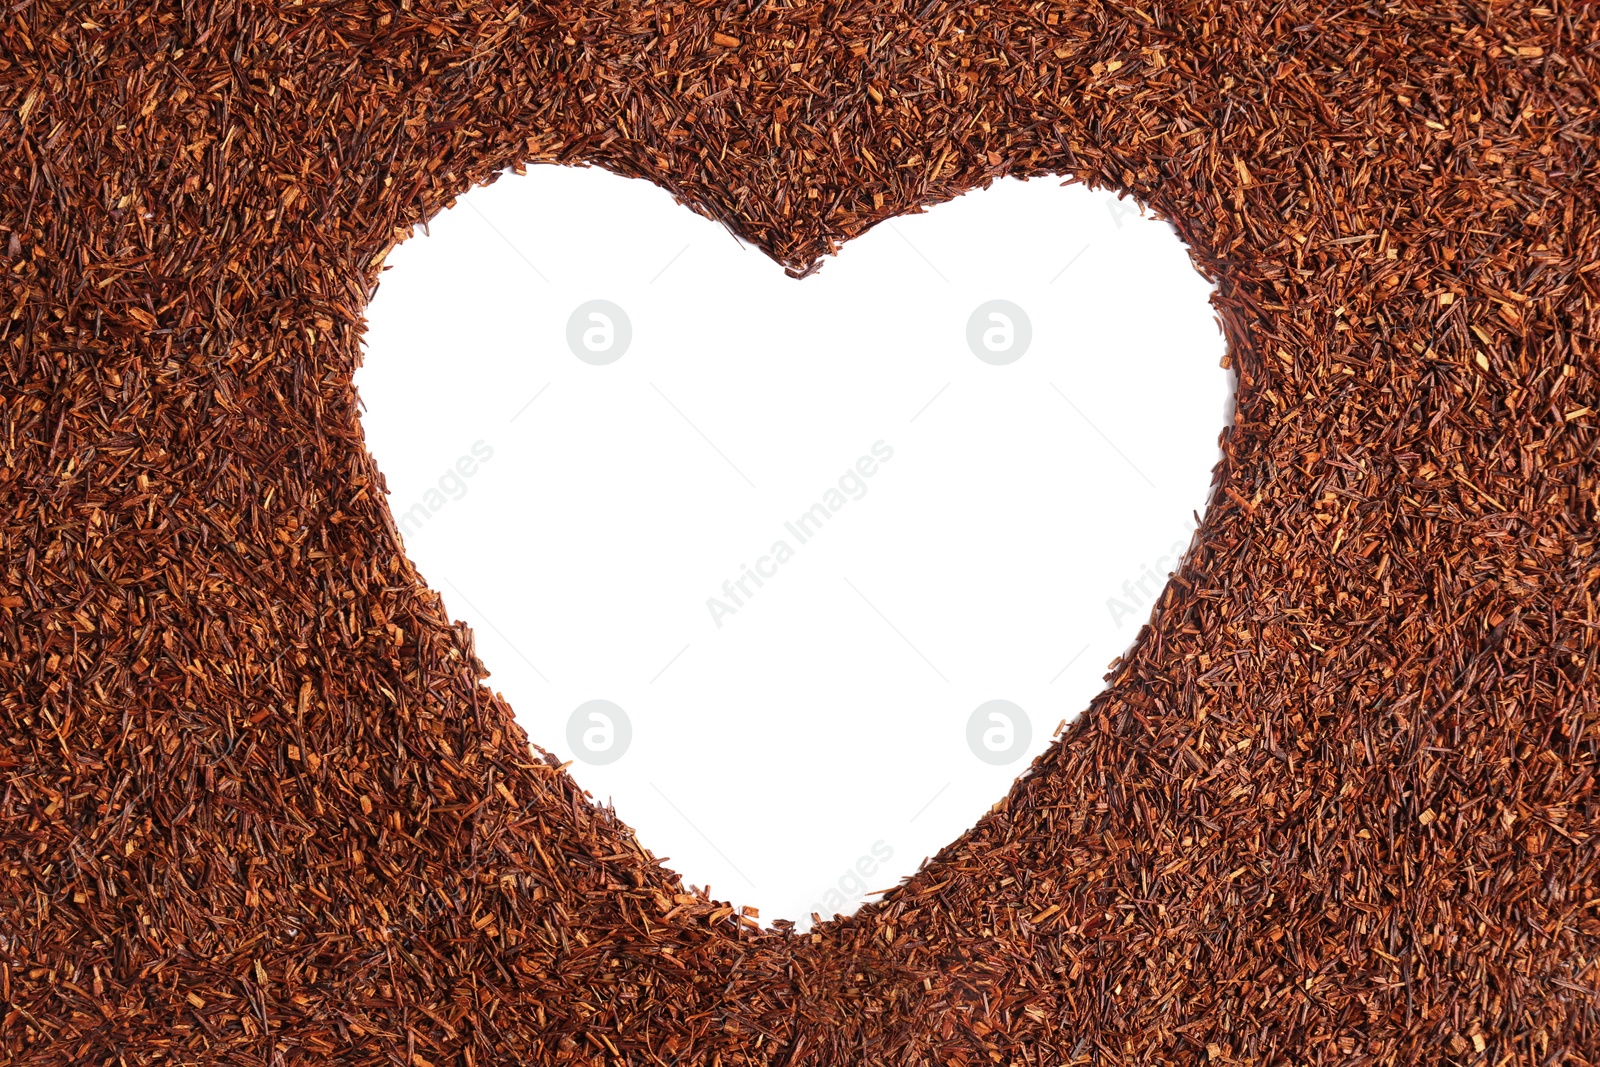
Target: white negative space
{"type": "Point", "coordinates": [797, 694]}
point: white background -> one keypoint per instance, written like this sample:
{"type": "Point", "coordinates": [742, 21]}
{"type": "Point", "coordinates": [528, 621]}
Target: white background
{"type": "Point", "coordinates": [1009, 549]}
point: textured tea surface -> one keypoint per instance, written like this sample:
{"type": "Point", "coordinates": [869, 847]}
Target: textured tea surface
{"type": "Point", "coordinates": [1336, 806]}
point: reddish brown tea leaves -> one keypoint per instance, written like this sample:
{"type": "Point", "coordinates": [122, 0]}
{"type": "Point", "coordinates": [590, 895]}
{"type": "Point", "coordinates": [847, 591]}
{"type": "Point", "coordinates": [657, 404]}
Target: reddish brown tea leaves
{"type": "Point", "coordinates": [1337, 804]}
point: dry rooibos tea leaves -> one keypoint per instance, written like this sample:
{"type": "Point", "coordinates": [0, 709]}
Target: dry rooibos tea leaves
{"type": "Point", "coordinates": [1336, 805]}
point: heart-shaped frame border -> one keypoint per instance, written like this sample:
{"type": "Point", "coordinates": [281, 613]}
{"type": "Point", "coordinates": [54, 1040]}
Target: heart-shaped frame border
{"type": "Point", "coordinates": [1336, 804]}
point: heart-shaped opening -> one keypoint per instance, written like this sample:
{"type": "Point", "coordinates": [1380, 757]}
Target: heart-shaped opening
{"type": "Point", "coordinates": [801, 574]}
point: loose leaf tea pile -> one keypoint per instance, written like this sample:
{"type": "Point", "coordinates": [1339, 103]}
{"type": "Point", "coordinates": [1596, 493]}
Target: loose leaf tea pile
{"type": "Point", "coordinates": [1336, 805]}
